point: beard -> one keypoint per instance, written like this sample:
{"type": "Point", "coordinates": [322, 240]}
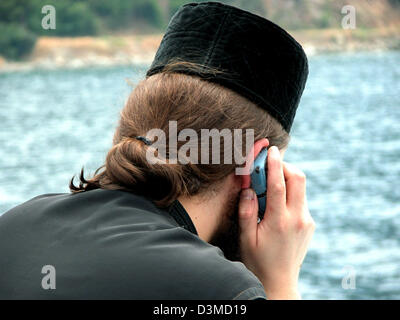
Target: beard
{"type": "Point", "coordinates": [227, 239]}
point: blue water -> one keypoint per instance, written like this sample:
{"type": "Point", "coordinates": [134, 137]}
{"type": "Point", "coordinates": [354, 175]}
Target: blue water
{"type": "Point", "coordinates": [346, 138]}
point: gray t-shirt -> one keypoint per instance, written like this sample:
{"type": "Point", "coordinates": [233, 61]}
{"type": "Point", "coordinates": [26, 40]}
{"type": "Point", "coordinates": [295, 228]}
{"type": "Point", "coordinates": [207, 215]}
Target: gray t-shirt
{"type": "Point", "coordinates": [104, 244]}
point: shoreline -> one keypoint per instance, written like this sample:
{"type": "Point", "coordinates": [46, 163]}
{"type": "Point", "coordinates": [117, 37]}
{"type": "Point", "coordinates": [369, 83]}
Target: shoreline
{"type": "Point", "coordinates": [113, 50]}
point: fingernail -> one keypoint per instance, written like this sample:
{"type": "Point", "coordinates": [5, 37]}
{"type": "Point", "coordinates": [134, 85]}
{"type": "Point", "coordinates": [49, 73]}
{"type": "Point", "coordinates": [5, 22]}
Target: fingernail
{"type": "Point", "coordinates": [247, 194]}
{"type": "Point", "coordinates": [275, 151]}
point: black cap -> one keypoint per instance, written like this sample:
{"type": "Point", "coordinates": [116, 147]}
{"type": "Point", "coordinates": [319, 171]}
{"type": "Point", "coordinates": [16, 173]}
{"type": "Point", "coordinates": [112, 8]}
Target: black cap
{"type": "Point", "coordinates": [258, 59]}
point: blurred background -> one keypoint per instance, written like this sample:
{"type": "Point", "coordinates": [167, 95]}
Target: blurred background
{"type": "Point", "coordinates": [61, 91]}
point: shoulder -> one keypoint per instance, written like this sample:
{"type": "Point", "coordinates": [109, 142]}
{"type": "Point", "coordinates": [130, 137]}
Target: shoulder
{"type": "Point", "coordinates": [174, 264]}
{"type": "Point", "coordinates": [214, 276]}
{"type": "Point", "coordinates": [125, 248]}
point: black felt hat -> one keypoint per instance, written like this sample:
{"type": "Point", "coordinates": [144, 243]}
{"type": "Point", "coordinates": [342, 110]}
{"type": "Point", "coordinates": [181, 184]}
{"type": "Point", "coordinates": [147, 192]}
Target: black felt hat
{"type": "Point", "coordinates": [258, 59]}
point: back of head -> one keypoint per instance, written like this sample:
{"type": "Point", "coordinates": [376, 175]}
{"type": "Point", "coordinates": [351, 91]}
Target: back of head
{"type": "Point", "coordinates": [218, 68]}
{"type": "Point", "coordinates": [195, 104]}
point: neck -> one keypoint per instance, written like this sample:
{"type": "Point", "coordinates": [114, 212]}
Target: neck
{"type": "Point", "coordinates": [204, 213]}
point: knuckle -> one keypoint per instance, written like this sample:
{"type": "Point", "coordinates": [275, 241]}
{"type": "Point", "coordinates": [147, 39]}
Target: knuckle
{"type": "Point", "coordinates": [300, 224]}
{"type": "Point", "coordinates": [305, 224]}
{"type": "Point", "coordinates": [309, 224]}
{"type": "Point", "coordinates": [300, 176]}
{"type": "Point", "coordinates": [312, 224]}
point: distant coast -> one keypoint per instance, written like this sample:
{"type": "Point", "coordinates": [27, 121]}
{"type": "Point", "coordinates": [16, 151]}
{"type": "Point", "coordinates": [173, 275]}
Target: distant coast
{"type": "Point", "coordinates": [78, 52]}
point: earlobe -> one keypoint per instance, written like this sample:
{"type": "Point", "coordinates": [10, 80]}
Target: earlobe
{"type": "Point", "coordinates": [258, 145]}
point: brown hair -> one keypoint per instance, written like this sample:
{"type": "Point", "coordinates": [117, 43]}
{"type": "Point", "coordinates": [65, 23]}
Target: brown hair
{"type": "Point", "coordinates": [192, 102]}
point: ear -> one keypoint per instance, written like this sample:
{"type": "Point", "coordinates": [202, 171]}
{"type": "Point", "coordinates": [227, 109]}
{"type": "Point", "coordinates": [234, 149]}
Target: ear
{"type": "Point", "coordinates": [258, 145]}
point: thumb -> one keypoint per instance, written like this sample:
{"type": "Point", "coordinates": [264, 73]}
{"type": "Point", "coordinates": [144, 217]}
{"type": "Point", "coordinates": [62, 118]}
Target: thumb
{"type": "Point", "coordinates": [247, 212]}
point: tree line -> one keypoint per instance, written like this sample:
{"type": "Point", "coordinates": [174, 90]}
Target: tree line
{"type": "Point", "coordinates": [21, 20]}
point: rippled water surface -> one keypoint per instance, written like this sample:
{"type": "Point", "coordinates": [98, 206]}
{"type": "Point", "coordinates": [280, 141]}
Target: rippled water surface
{"type": "Point", "coordinates": [346, 138]}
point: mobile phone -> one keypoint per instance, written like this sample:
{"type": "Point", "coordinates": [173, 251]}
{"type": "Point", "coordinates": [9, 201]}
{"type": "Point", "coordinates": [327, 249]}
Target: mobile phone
{"type": "Point", "coordinates": [259, 181]}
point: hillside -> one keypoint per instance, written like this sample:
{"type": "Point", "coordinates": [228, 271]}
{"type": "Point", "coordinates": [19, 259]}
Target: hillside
{"type": "Point", "coordinates": [317, 24]}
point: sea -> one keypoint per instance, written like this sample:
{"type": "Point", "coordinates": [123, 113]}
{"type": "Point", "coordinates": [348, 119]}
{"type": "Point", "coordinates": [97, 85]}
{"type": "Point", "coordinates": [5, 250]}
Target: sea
{"type": "Point", "coordinates": [346, 138]}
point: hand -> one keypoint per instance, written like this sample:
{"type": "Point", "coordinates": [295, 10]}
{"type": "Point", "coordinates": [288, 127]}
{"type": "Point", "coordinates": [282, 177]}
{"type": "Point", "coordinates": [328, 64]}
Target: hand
{"type": "Point", "coordinates": [275, 248]}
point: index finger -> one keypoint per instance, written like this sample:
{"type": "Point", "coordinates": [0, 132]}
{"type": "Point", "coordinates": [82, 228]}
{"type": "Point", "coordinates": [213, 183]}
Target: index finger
{"type": "Point", "coordinates": [295, 185]}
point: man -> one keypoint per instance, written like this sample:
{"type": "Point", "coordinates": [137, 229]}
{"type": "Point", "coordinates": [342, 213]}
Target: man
{"type": "Point", "coordinates": [182, 226]}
